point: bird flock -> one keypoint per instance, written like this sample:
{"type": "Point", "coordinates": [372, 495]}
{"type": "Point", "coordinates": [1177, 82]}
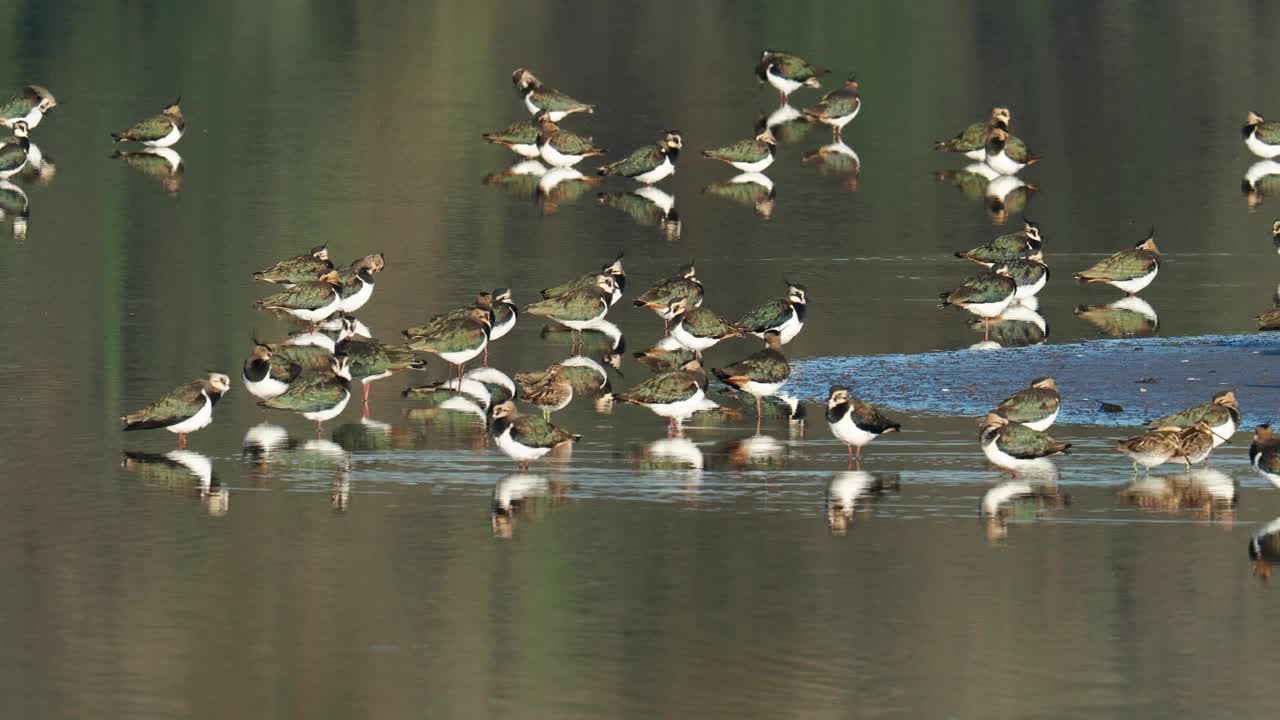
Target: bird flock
{"type": "Point", "coordinates": [312, 372]}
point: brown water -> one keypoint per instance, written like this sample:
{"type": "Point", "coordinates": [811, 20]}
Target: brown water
{"type": "Point", "coordinates": [363, 573]}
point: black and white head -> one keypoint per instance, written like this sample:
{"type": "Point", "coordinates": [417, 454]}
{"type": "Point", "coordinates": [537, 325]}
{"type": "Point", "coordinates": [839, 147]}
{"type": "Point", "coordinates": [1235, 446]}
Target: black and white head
{"type": "Point", "coordinates": [688, 272]}
{"type": "Point", "coordinates": [1000, 116]}
{"type": "Point", "coordinates": [320, 252]}
{"type": "Point", "coordinates": [767, 137]}
{"type": "Point", "coordinates": [679, 307]}
{"type": "Point", "coordinates": [1030, 228]}
{"type": "Point", "coordinates": [218, 382]}
{"type": "Point", "coordinates": [19, 128]}
{"type": "Point", "coordinates": [524, 80]}
{"type": "Point", "coordinates": [340, 364]}
{"type": "Point", "coordinates": [502, 295]}
{"type": "Point", "coordinates": [839, 395]}
{"type": "Point", "coordinates": [673, 140]}
{"type": "Point", "coordinates": [503, 410]}
{"type": "Point", "coordinates": [1045, 383]}
{"type": "Point", "coordinates": [615, 268]}
{"type": "Point", "coordinates": [796, 293]}
{"type": "Point", "coordinates": [1275, 229]}
{"type": "Point", "coordinates": [606, 283]}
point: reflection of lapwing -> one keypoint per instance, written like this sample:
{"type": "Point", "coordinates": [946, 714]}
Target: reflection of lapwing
{"type": "Point", "coordinates": [1264, 453]}
{"type": "Point", "coordinates": [847, 489]}
{"type": "Point", "coordinates": [14, 151]}
{"type": "Point", "coordinates": [1260, 180]}
{"type": "Point", "coordinates": [15, 206]}
{"type": "Point", "coordinates": [163, 164]}
{"type": "Point", "coordinates": [837, 160]}
{"type": "Point", "coordinates": [749, 188]}
{"type": "Point", "coordinates": [647, 205]}
{"type": "Point", "coordinates": [1129, 316]}
{"type": "Point", "coordinates": [1264, 548]}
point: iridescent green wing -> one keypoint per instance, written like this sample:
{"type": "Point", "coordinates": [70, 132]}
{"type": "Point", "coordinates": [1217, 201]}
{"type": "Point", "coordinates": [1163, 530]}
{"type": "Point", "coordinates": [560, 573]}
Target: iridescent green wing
{"type": "Point", "coordinates": [1017, 151]}
{"type": "Point", "coordinates": [670, 290]}
{"type": "Point", "coordinates": [577, 305]}
{"type": "Point", "coordinates": [792, 67]}
{"type": "Point", "coordinates": [869, 417]}
{"type": "Point", "coordinates": [434, 324]}
{"type": "Point", "coordinates": [450, 336]}
{"type": "Point", "coordinates": [533, 431]}
{"type": "Point", "coordinates": [1269, 133]}
{"type": "Point", "coordinates": [312, 393]}
{"type": "Point", "coordinates": [176, 406]}
{"type": "Point", "coordinates": [1124, 265]}
{"type": "Point", "coordinates": [582, 281]}
{"type": "Point", "coordinates": [520, 133]}
{"type": "Point", "coordinates": [572, 144]}
{"type": "Point", "coordinates": [19, 105]}
{"type": "Point", "coordinates": [303, 268]}
{"type": "Point", "coordinates": [556, 101]}
{"type": "Point", "coordinates": [987, 288]}
{"type": "Point", "coordinates": [305, 296]}
{"type": "Point", "coordinates": [743, 151]}
{"type": "Point", "coordinates": [12, 155]}
{"type": "Point", "coordinates": [153, 128]}
{"type": "Point", "coordinates": [837, 103]}
{"type": "Point", "coordinates": [769, 315]}
{"type": "Point", "coordinates": [766, 366]}
{"type": "Point", "coordinates": [701, 322]}
{"type": "Point", "coordinates": [369, 357]}
{"type": "Point", "coordinates": [639, 162]}
{"type": "Point", "coordinates": [308, 357]}
{"type": "Point", "coordinates": [1022, 442]}
{"type": "Point", "coordinates": [1028, 405]}
{"type": "Point", "coordinates": [971, 138]}
{"type": "Point", "coordinates": [668, 387]}
{"type": "Point", "coordinates": [1213, 414]}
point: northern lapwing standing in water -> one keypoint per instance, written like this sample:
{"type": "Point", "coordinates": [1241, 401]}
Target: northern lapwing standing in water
{"type": "Point", "coordinates": [674, 395]}
{"type": "Point", "coordinates": [613, 270]}
{"type": "Point", "coordinates": [370, 360]}
{"type": "Point", "coordinates": [659, 298]}
{"type": "Point", "coordinates": [28, 105]}
{"type": "Point", "coordinates": [1035, 406]}
{"type": "Point", "coordinates": [319, 396]}
{"type": "Point", "coordinates": [972, 141]}
{"type": "Point", "coordinates": [1029, 274]}
{"type": "Point", "coordinates": [561, 148]}
{"type": "Point", "coordinates": [837, 108]}
{"type": "Point", "coordinates": [1007, 154]}
{"type": "Point", "coordinates": [1007, 247]}
{"type": "Point", "coordinates": [265, 375]}
{"type": "Point", "coordinates": [549, 390]}
{"type": "Point", "coordinates": [523, 438]}
{"type": "Point", "coordinates": [160, 130]}
{"type": "Point", "coordinates": [985, 295]}
{"type": "Point", "coordinates": [311, 301]}
{"type": "Point", "coordinates": [456, 339]}
{"type": "Point", "coordinates": [15, 151]}
{"type": "Point", "coordinates": [483, 301]}
{"type": "Point", "coordinates": [183, 410]}
{"type": "Point", "coordinates": [854, 422]}
{"type": "Point", "coordinates": [761, 374]}
{"type": "Point", "coordinates": [1261, 137]}
{"type": "Point", "coordinates": [698, 328]}
{"type": "Point", "coordinates": [578, 309]}
{"type": "Point", "coordinates": [1152, 448]}
{"type": "Point", "coordinates": [1264, 453]}
{"type": "Point", "coordinates": [1222, 413]}
{"type": "Point", "coordinates": [520, 138]}
{"type": "Point", "coordinates": [749, 156]}
{"type": "Point", "coordinates": [357, 282]}
{"type": "Point", "coordinates": [1128, 270]}
{"type": "Point", "coordinates": [503, 316]}
{"type": "Point", "coordinates": [299, 268]}
{"type": "Point", "coordinates": [787, 73]}
{"type": "Point", "coordinates": [650, 163]}
{"type": "Point", "coordinates": [539, 98]}
{"type": "Point", "coordinates": [1016, 447]}
{"type": "Point", "coordinates": [784, 316]}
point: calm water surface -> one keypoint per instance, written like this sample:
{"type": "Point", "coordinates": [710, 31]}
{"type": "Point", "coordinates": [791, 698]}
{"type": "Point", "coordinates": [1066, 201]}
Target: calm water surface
{"type": "Point", "coordinates": [365, 573]}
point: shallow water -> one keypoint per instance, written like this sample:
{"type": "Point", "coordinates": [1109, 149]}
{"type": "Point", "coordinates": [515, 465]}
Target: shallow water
{"type": "Point", "coordinates": [365, 572]}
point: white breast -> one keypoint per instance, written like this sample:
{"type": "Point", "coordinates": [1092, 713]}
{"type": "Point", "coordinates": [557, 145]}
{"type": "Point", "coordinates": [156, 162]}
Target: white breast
{"type": "Point", "coordinates": [333, 412]}
{"type": "Point", "coordinates": [557, 158]}
{"type": "Point", "coordinates": [1133, 286]}
{"type": "Point", "coordinates": [848, 432]}
{"type": "Point", "coordinates": [754, 167]}
{"type": "Point", "coordinates": [175, 133]}
{"type": "Point", "coordinates": [516, 451]}
{"type": "Point", "coordinates": [202, 418]}
{"type": "Point", "coordinates": [664, 170]}
{"type": "Point", "coordinates": [1259, 148]}
{"type": "Point", "coordinates": [356, 301]}
{"type": "Point", "coordinates": [266, 388]}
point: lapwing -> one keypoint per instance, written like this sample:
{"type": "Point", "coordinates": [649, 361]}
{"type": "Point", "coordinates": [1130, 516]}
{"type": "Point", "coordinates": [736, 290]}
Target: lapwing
{"type": "Point", "coordinates": [1264, 453]}
{"type": "Point", "coordinates": [299, 268]}
{"type": "Point", "coordinates": [698, 328]}
{"type": "Point", "coordinates": [985, 295]}
{"type": "Point", "coordinates": [1152, 448]}
{"type": "Point", "coordinates": [787, 73]}
{"type": "Point", "coordinates": [319, 396]}
{"type": "Point", "coordinates": [1035, 406]}
{"type": "Point", "coordinates": [650, 163]}
{"type": "Point", "coordinates": [504, 315]}
{"type": "Point", "coordinates": [357, 282]}
{"type": "Point", "coordinates": [29, 105]}
{"type": "Point", "coordinates": [483, 301]}
{"type": "Point", "coordinates": [456, 339]}
{"type": "Point", "coordinates": [1261, 137]}
{"type": "Point", "coordinates": [675, 395]}
{"type": "Point", "coordinates": [183, 410]}
{"type": "Point", "coordinates": [549, 390]}
{"type": "Point", "coordinates": [14, 151]}
{"type": "Point", "coordinates": [579, 309]}
{"type": "Point", "coordinates": [1007, 247]}
{"type": "Point", "coordinates": [539, 98]}
{"type": "Point", "coordinates": [1029, 274]}
{"type": "Point", "coordinates": [265, 375]}
{"type": "Point", "coordinates": [311, 301]}
{"type": "Point", "coordinates": [160, 130]}
{"type": "Point", "coordinates": [854, 422]}
{"type": "Point", "coordinates": [524, 438]}
{"type": "Point", "coordinates": [1222, 413]}
{"type": "Point", "coordinates": [370, 360]}
{"type": "Point", "coordinates": [837, 108]}
{"type": "Point", "coordinates": [972, 141]}
{"type": "Point", "coordinates": [1007, 154]}
{"type": "Point", "coordinates": [587, 376]}
{"type": "Point", "coordinates": [761, 374]}
{"type": "Point", "coordinates": [659, 298]}
{"type": "Point", "coordinates": [1016, 447]}
{"type": "Point", "coordinates": [748, 156]}
{"type": "Point", "coordinates": [613, 270]}
{"type": "Point", "coordinates": [520, 138]}
{"type": "Point", "coordinates": [1128, 270]}
{"type": "Point", "coordinates": [561, 148]}
{"type": "Point", "coordinates": [784, 316]}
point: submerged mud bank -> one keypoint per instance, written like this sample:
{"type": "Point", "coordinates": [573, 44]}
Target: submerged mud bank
{"type": "Point", "coordinates": [1146, 378]}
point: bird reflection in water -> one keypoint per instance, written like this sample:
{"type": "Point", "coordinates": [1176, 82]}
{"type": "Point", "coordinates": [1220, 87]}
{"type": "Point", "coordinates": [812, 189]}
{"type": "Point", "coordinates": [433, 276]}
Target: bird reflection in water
{"type": "Point", "coordinates": [520, 180]}
{"type": "Point", "coordinates": [519, 497]}
{"type": "Point", "coordinates": [749, 188]}
{"type": "Point", "coordinates": [788, 125]}
{"type": "Point", "coordinates": [1260, 180]}
{"type": "Point", "coordinates": [1020, 500]}
{"type": "Point", "coordinates": [1002, 195]}
{"type": "Point", "coordinates": [340, 490]}
{"type": "Point", "coordinates": [649, 206]}
{"type": "Point", "coordinates": [161, 163]}
{"type": "Point", "coordinates": [851, 491]}
{"type": "Point", "coordinates": [1264, 548]}
{"type": "Point", "coordinates": [603, 340]}
{"type": "Point", "coordinates": [1206, 493]}
{"type": "Point", "coordinates": [753, 452]}
{"type": "Point", "coordinates": [1125, 318]}
{"type": "Point", "coordinates": [371, 434]}
{"type": "Point", "coordinates": [1270, 319]}
{"type": "Point", "coordinates": [16, 208]}
{"type": "Point", "coordinates": [562, 185]}
{"type": "Point", "coordinates": [1020, 325]}
{"type": "Point", "coordinates": [184, 472]}
{"type": "Point", "coordinates": [836, 160]}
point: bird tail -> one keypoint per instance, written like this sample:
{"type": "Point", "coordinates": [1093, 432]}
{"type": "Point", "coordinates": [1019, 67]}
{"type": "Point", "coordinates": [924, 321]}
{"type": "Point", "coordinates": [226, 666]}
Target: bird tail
{"type": "Point", "coordinates": [117, 136]}
{"type": "Point", "coordinates": [945, 298]}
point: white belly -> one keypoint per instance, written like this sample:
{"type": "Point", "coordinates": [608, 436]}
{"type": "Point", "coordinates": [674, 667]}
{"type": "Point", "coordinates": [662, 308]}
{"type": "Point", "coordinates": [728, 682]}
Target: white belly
{"type": "Point", "coordinates": [1259, 148]}
{"type": "Point", "coordinates": [1043, 424]}
{"type": "Point", "coordinates": [174, 135]}
{"type": "Point", "coordinates": [462, 356]}
{"type": "Point", "coordinates": [372, 378]}
{"type": "Point", "coordinates": [584, 324]}
{"type": "Point", "coordinates": [1001, 494]}
{"type": "Point", "coordinates": [503, 328]}
{"type": "Point", "coordinates": [840, 122]}
{"type": "Point", "coordinates": [333, 412]}
{"type": "Point", "coordinates": [318, 314]}
{"type": "Point", "coordinates": [666, 169]}
{"type": "Point", "coordinates": [516, 451]}
{"type": "Point", "coordinates": [1133, 286]}
{"type": "Point", "coordinates": [999, 458]}
{"type": "Point", "coordinates": [33, 117]}
{"type": "Point", "coordinates": [754, 167]}
{"type": "Point", "coordinates": [528, 150]}
{"type": "Point", "coordinates": [1001, 163]}
{"type": "Point", "coordinates": [980, 154]}
{"type": "Point", "coordinates": [696, 344]}
{"type": "Point", "coordinates": [784, 86]}
{"type": "Point", "coordinates": [266, 388]}
{"type": "Point", "coordinates": [1223, 432]}
{"type": "Point", "coordinates": [787, 330]}
{"type": "Point", "coordinates": [354, 302]}
{"type": "Point", "coordinates": [681, 408]}
{"type": "Point", "coordinates": [557, 158]}
{"type": "Point", "coordinates": [1150, 459]}
{"type": "Point", "coordinates": [201, 419]}
{"type": "Point", "coordinates": [760, 389]}
{"type": "Point", "coordinates": [849, 433]}
{"type": "Point", "coordinates": [1026, 291]}
{"type": "Point", "coordinates": [9, 173]}
{"type": "Point", "coordinates": [991, 309]}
